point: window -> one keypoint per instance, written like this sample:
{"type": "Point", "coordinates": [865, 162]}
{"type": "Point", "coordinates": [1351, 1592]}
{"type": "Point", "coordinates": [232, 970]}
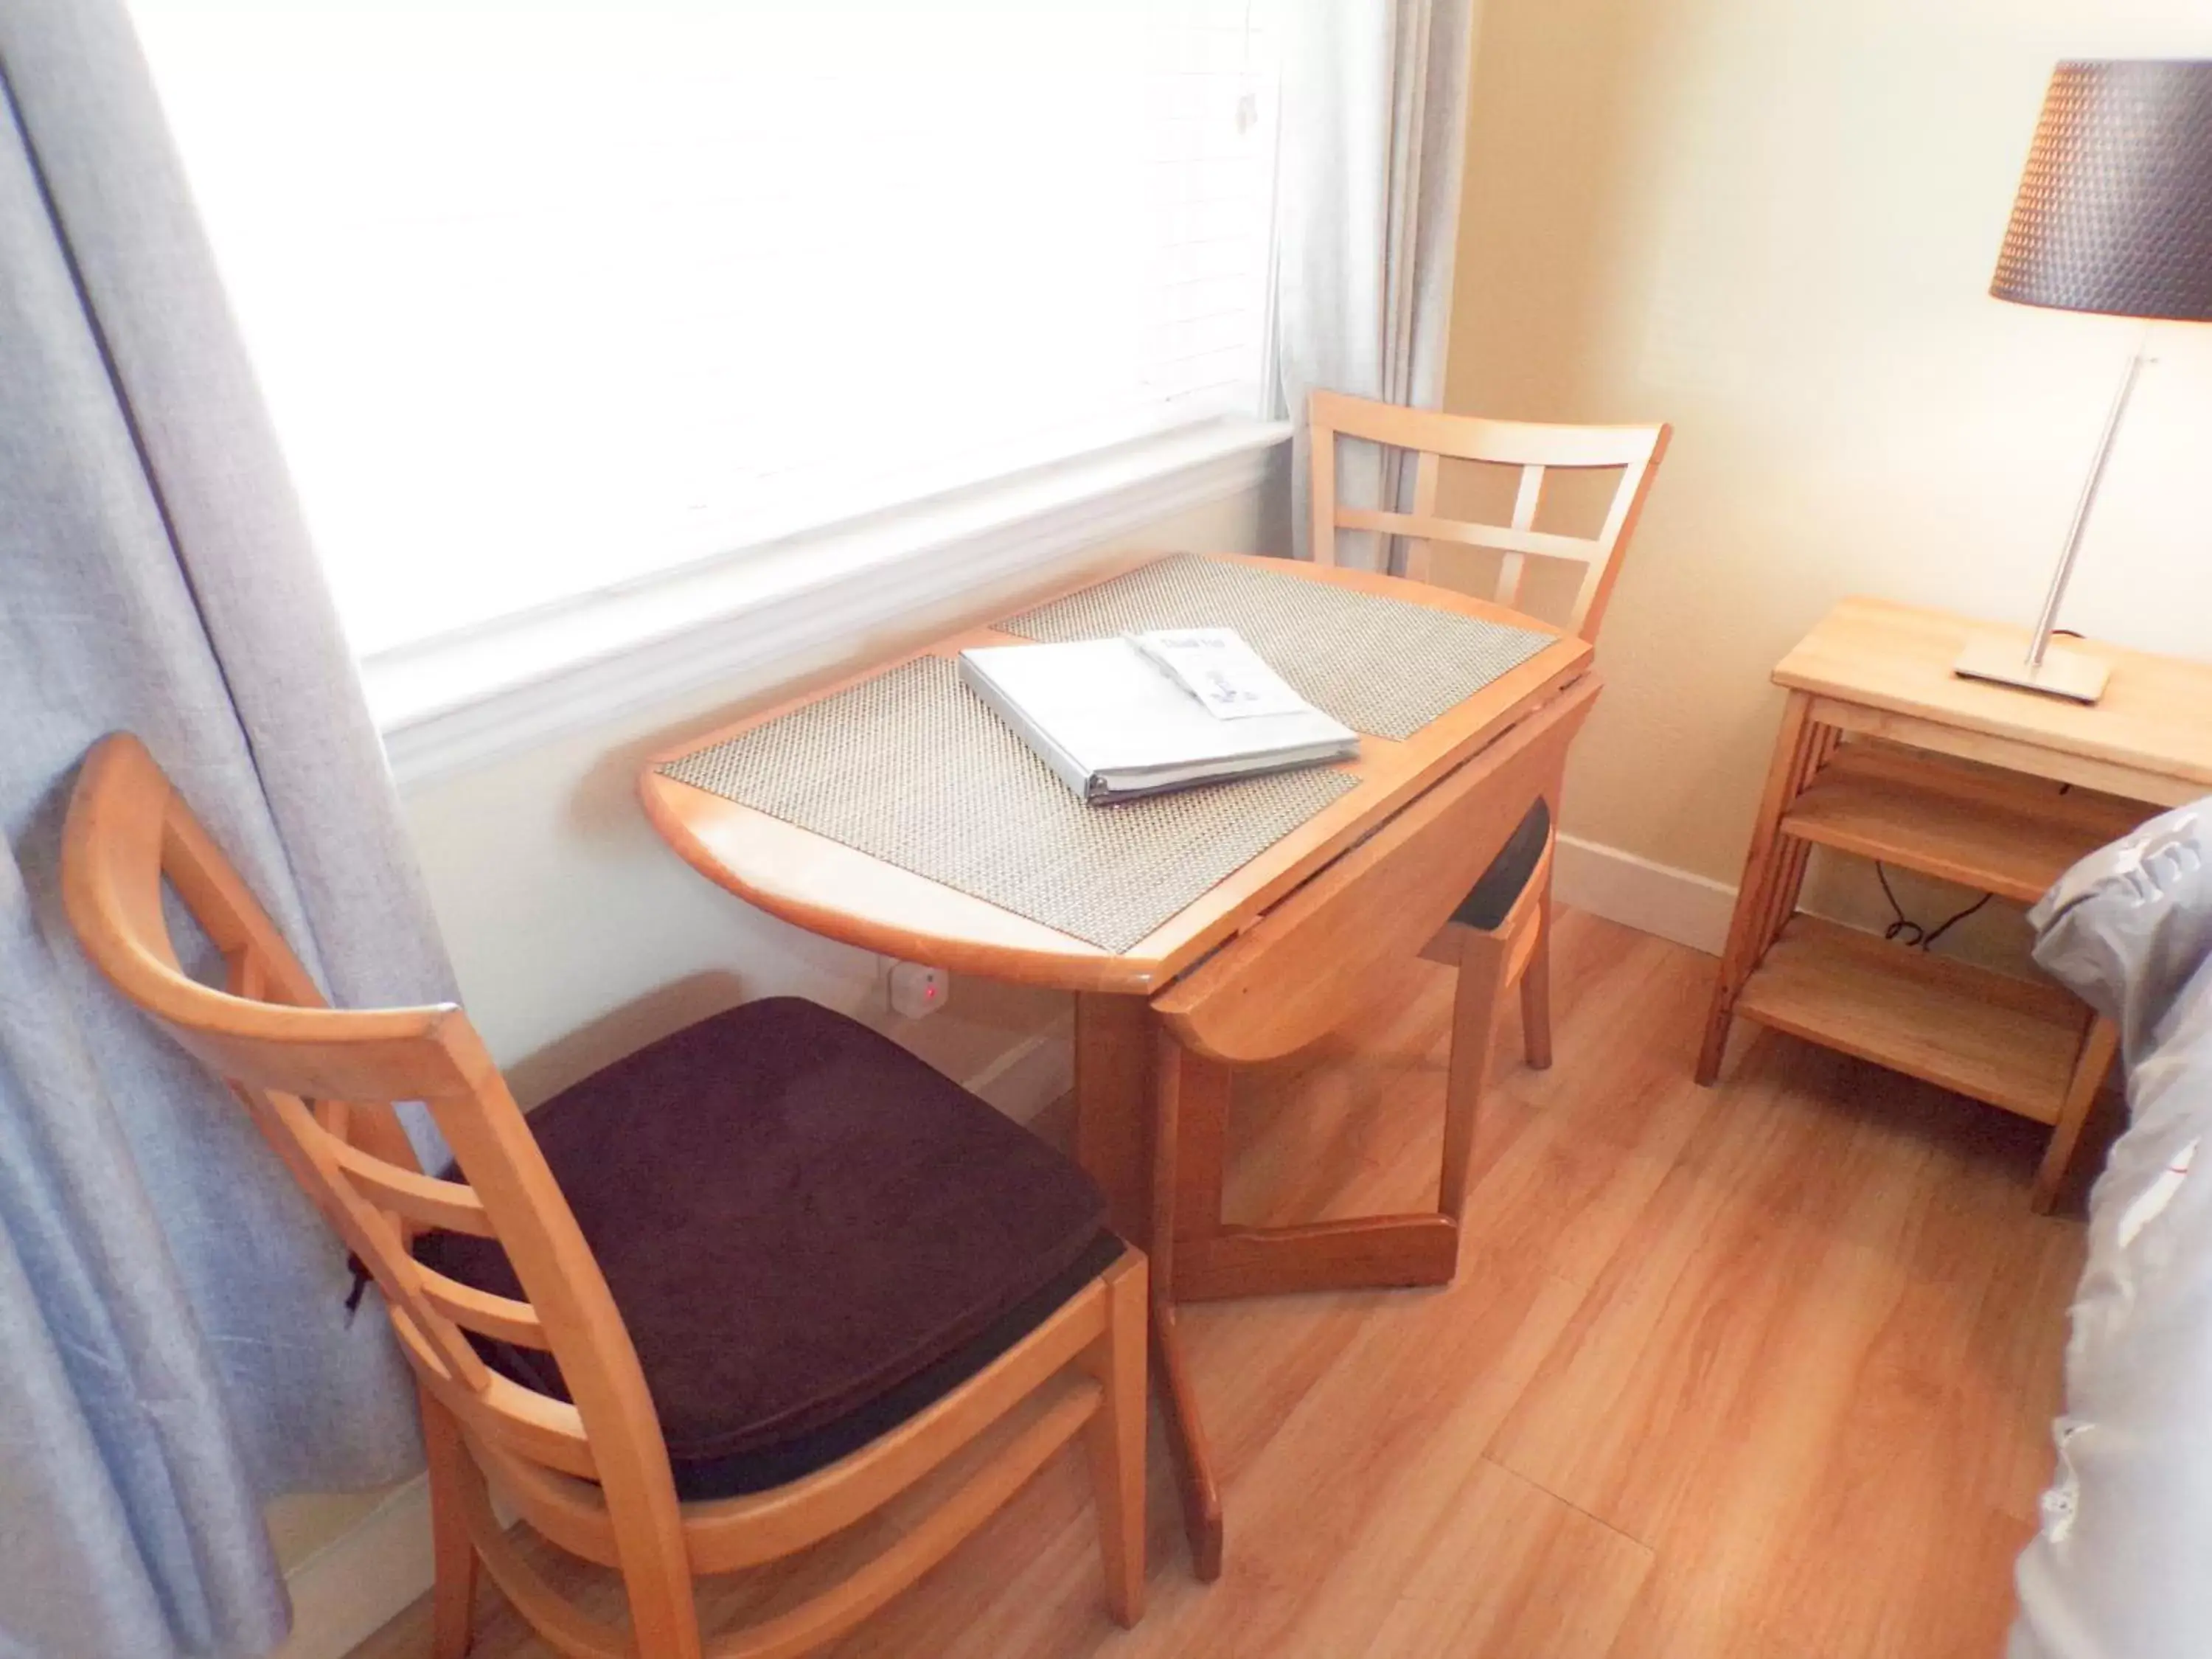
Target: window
{"type": "Point", "coordinates": [548, 297]}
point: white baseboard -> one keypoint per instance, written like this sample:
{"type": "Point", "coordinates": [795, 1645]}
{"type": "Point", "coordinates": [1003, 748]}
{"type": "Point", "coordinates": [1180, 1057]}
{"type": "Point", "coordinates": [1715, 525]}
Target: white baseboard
{"type": "Point", "coordinates": [1654, 898]}
{"type": "Point", "coordinates": [1029, 1076]}
{"type": "Point", "coordinates": [362, 1579]}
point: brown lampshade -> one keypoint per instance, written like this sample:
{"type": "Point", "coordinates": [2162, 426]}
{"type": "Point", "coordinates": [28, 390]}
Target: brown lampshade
{"type": "Point", "coordinates": [2114, 213]}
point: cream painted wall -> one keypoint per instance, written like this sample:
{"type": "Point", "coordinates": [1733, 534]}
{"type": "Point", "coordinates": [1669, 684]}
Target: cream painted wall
{"type": "Point", "coordinates": [1773, 224]}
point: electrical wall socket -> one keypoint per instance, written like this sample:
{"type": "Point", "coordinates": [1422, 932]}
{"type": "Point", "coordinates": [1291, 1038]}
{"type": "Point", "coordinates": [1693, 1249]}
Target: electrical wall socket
{"type": "Point", "coordinates": [917, 989]}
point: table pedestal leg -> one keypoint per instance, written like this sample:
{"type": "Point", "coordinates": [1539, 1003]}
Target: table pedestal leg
{"type": "Point", "coordinates": [1113, 1107]}
{"type": "Point", "coordinates": [1125, 1136]}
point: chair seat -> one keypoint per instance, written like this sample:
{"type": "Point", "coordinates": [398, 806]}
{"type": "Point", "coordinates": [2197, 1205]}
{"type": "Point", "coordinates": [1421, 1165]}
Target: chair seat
{"type": "Point", "coordinates": [1491, 897]}
{"type": "Point", "coordinates": [809, 1234]}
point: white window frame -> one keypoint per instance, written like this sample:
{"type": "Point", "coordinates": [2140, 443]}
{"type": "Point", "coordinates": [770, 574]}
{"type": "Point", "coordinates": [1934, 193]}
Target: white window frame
{"type": "Point", "coordinates": [764, 611]}
{"type": "Point", "coordinates": [765, 615]}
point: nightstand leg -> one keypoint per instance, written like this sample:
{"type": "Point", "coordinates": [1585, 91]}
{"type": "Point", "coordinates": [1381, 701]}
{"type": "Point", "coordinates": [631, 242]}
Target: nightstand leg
{"type": "Point", "coordinates": [1781, 897]}
{"type": "Point", "coordinates": [2090, 1069]}
{"type": "Point", "coordinates": [1771, 871]}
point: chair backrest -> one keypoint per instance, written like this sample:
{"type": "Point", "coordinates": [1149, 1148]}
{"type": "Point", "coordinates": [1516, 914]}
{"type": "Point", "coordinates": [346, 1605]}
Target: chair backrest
{"type": "Point", "coordinates": [1634, 451]}
{"type": "Point", "coordinates": [320, 1084]}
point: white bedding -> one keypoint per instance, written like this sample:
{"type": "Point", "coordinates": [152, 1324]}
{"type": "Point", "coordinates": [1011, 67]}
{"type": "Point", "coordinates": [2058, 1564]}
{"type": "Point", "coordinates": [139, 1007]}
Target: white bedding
{"type": "Point", "coordinates": [2122, 1567]}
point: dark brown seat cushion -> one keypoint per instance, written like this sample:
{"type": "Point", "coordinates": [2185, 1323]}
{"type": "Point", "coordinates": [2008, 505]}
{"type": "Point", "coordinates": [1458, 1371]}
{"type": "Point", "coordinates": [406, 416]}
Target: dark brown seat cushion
{"type": "Point", "coordinates": [1497, 888]}
{"type": "Point", "coordinates": [808, 1232]}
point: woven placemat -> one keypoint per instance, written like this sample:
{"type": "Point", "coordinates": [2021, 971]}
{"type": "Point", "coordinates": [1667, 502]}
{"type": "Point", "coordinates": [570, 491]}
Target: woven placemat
{"type": "Point", "coordinates": [914, 769]}
{"type": "Point", "coordinates": [1383, 666]}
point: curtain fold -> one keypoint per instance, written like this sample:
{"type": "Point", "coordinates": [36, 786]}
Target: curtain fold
{"type": "Point", "coordinates": [1373, 126]}
{"type": "Point", "coordinates": [173, 1344]}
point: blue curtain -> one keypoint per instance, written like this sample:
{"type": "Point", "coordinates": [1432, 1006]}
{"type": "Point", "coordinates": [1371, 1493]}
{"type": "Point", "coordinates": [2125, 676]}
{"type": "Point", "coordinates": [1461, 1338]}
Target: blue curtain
{"type": "Point", "coordinates": [174, 1348]}
{"type": "Point", "coordinates": [1374, 125]}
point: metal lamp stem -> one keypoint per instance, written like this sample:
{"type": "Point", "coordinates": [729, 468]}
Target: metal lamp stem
{"type": "Point", "coordinates": [2060, 577]}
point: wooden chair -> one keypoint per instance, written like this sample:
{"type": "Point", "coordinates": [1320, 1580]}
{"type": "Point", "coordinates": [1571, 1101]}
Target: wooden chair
{"type": "Point", "coordinates": [1500, 935]}
{"type": "Point", "coordinates": [522, 1287]}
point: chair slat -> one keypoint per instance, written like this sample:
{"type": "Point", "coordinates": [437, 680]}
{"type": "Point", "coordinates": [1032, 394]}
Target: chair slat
{"type": "Point", "coordinates": [566, 1627]}
{"type": "Point", "coordinates": [1474, 438]}
{"type": "Point", "coordinates": [1513, 567]}
{"type": "Point", "coordinates": [1420, 555]}
{"type": "Point", "coordinates": [500, 1317]}
{"type": "Point", "coordinates": [1502, 537]}
{"type": "Point", "coordinates": [312, 1152]}
{"type": "Point", "coordinates": [570, 1513]}
{"type": "Point", "coordinates": [537, 1426]}
{"type": "Point", "coordinates": [247, 974]}
{"type": "Point", "coordinates": [534, 1426]}
{"type": "Point", "coordinates": [1619, 520]}
{"type": "Point", "coordinates": [433, 1337]}
{"type": "Point", "coordinates": [1527, 498]}
{"type": "Point", "coordinates": [425, 1200]}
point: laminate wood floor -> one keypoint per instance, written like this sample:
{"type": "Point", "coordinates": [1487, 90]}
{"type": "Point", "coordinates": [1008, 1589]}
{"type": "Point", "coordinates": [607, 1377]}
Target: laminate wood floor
{"type": "Point", "coordinates": [1764, 1369]}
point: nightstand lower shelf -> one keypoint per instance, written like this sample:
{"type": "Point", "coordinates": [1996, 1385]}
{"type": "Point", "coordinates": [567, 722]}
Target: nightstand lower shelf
{"type": "Point", "coordinates": [2010, 1042]}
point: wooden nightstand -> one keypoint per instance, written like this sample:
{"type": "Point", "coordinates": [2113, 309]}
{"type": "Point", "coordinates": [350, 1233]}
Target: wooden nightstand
{"type": "Point", "coordinates": [1885, 753]}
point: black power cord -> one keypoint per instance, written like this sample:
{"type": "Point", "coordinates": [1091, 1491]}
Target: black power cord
{"type": "Point", "coordinates": [1909, 933]}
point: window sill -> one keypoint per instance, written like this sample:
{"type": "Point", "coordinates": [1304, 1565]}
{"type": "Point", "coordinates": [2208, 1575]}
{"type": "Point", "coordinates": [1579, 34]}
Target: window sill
{"type": "Point", "coordinates": [472, 697]}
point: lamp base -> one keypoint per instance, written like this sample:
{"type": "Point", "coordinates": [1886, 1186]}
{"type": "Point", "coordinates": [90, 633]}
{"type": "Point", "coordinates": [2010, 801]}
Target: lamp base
{"type": "Point", "coordinates": [2068, 674]}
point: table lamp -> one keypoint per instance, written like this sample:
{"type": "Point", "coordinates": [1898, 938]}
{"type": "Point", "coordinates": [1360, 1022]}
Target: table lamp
{"type": "Point", "coordinates": [2114, 216]}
